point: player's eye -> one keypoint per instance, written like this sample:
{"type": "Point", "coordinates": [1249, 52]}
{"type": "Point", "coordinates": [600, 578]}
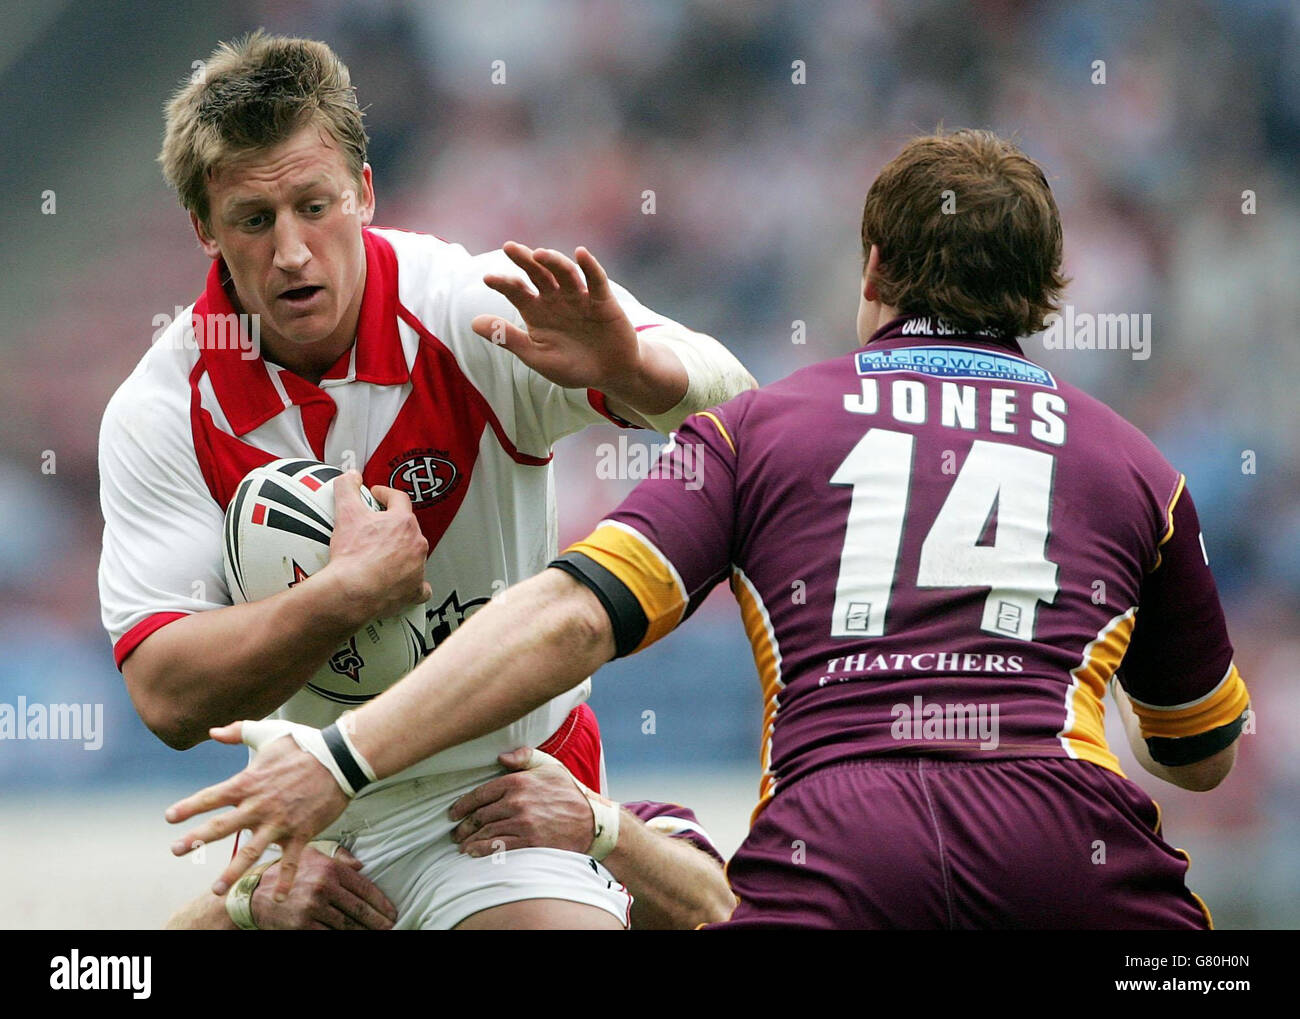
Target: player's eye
{"type": "Point", "coordinates": [316, 208]}
{"type": "Point", "coordinates": [254, 222]}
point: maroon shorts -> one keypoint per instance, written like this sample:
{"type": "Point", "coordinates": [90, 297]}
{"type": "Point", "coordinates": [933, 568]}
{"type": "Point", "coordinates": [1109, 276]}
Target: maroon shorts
{"type": "Point", "coordinates": [930, 844]}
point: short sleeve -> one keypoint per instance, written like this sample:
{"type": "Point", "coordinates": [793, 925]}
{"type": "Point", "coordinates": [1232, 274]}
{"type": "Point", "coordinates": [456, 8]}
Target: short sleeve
{"type": "Point", "coordinates": [676, 822]}
{"type": "Point", "coordinates": [1178, 671]}
{"type": "Point", "coordinates": [659, 554]}
{"type": "Point", "coordinates": [161, 555]}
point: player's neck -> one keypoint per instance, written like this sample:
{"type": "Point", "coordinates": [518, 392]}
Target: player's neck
{"type": "Point", "coordinates": [309, 361]}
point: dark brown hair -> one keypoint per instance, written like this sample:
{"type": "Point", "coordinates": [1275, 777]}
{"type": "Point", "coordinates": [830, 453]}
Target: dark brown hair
{"type": "Point", "coordinates": [253, 94]}
{"type": "Point", "coordinates": [968, 231]}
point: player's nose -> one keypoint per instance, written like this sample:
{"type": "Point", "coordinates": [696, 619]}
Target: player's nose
{"type": "Point", "coordinates": [291, 251]}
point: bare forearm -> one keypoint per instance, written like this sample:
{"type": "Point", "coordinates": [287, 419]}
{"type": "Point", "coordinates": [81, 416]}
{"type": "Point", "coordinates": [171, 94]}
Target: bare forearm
{"type": "Point", "coordinates": [543, 637]}
{"type": "Point", "coordinates": [206, 913]}
{"type": "Point", "coordinates": [682, 372]}
{"type": "Point", "coordinates": [674, 885]}
{"type": "Point", "coordinates": [656, 384]}
{"type": "Point", "coordinates": [243, 661]}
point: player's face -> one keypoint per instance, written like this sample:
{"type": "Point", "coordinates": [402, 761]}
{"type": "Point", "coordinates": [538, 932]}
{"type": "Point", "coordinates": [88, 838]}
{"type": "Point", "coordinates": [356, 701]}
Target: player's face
{"type": "Point", "coordinates": [288, 220]}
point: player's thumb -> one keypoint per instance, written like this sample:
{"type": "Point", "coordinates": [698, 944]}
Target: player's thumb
{"type": "Point", "coordinates": [343, 856]}
{"type": "Point", "coordinates": [232, 733]}
{"type": "Point", "coordinates": [498, 330]}
{"type": "Point", "coordinates": [524, 758]}
{"type": "Point", "coordinates": [347, 494]}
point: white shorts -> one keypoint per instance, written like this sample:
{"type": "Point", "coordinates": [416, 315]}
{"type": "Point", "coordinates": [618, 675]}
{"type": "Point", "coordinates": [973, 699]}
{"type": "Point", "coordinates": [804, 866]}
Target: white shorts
{"type": "Point", "coordinates": [402, 836]}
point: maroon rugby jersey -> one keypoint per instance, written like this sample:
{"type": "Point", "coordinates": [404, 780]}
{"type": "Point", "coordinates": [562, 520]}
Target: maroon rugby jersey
{"type": "Point", "coordinates": [676, 822]}
{"type": "Point", "coordinates": [938, 548]}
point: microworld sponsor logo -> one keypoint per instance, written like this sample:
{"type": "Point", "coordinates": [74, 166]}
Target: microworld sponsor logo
{"type": "Point", "coordinates": [954, 363]}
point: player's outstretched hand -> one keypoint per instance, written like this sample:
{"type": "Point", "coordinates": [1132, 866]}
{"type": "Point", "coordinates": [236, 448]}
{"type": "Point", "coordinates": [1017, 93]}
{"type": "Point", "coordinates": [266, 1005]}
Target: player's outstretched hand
{"type": "Point", "coordinates": [285, 796]}
{"type": "Point", "coordinates": [379, 557]}
{"type": "Point", "coordinates": [578, 335]}
{"type": "Point", "coordinates": [538, 805]}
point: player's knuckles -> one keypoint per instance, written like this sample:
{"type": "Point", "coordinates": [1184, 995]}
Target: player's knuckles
{"type": "Point", "coordinates": [465, 829]}
{"type": "Point", "coordinates": [316, 888]}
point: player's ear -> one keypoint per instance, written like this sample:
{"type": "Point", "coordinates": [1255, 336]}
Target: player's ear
{"type": "Point", "coordinates": [366, 209]}
{"type": "Point", "coordinates": [206, 242]}
{"type": "Point", "coordinates": [869, 289]}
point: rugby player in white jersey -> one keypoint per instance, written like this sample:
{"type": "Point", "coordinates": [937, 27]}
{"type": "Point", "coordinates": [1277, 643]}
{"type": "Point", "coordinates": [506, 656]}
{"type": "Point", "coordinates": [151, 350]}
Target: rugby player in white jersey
{"type": "Point", "coordinates": [443, 379]}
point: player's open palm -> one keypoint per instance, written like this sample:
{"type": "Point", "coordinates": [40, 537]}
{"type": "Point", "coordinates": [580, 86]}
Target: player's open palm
{"type": "Point", "coordinates": [577, 334]}
{"type": "Point", "coordinates": [284, 797]}
{"type": "Point", "coordinates": [378, 557]}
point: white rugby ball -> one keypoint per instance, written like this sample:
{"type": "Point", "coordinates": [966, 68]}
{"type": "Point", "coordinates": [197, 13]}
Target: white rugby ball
{"type": "Point", "coordinates": [277, 533]}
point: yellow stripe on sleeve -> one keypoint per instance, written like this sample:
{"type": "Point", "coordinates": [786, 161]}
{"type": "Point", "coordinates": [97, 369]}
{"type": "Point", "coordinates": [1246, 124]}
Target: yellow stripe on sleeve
{"type": "Point", "coordinates": [722, 429]}
{"type": "Point", "coordinates": [652, 580]}
{"type": "Point", "coordinates": [1169, 518]}
{"type": "Point", "coordinates": [1224, 704]}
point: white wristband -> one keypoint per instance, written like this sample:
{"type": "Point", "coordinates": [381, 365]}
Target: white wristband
{"type": "Point", "coordinates": [239, 900]}
{"type": "Point", "coordinates": [268, 730]}
{"type": "Point", "coordinates": [605, 813]}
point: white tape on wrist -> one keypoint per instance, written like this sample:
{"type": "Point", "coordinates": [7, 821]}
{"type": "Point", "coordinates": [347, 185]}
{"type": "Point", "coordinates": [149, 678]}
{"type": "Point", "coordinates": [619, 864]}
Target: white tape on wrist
{"type": "Point", "coordinates": [605, 813]}
{"type": "Point", "coordinates": [239, 900]}
{"type": "Point", "coordinates": [713, 375]}
{"type": "Point", "coordinates": [351, 777]}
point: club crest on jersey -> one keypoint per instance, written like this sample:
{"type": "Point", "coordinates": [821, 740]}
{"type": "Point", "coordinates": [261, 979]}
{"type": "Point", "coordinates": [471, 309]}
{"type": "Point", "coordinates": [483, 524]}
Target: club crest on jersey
{"type": "Point", "coordinates": [425, 475]}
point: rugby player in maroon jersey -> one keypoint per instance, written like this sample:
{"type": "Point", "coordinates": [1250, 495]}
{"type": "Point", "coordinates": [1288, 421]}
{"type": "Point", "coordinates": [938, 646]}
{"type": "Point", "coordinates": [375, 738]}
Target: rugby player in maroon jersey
{"type": "Point", "coordinates": [944, 556]}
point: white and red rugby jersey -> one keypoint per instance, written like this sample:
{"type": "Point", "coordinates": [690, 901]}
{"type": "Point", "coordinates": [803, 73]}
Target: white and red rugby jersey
{"type": "Point", "coordinates": [419, 403]}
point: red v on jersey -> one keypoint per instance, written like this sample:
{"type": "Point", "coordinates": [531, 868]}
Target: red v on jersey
{"type": "Point", "coordinates": [430, 450]}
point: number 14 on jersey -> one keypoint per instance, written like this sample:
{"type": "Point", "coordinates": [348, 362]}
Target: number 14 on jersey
{"type": "Point", "coordinates": [1012, 481]}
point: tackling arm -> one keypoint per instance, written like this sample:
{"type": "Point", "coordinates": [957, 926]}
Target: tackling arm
{"type": "Point", "coordinates": [674, 884]}
{"type": "Point", "coordinates": [541, 638]}
{"type": "Point", "coordinates": [1183, 702]}
{"type": "Point", "coordinates": [1199, 776]}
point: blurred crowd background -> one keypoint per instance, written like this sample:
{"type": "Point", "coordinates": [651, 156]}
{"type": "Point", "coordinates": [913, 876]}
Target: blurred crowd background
{"type": "Point", "coordinates": [758, 185]}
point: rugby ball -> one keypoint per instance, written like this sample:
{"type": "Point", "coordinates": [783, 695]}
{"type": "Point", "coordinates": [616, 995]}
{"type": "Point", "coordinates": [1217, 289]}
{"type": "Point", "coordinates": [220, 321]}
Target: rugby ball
{"type": "Point", "coordinates": [277, 534]}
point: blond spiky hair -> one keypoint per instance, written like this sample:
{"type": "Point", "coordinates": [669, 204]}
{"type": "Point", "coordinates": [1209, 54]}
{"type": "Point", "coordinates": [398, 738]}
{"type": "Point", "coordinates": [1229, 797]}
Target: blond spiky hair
{"type": "Point", "coordinates": [252, 94]}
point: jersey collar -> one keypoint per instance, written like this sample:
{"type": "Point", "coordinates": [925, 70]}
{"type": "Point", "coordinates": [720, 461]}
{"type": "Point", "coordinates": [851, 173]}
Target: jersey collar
{"type": "Point", "coordinates": [912, 330]}
{"type": "Point", "coordinates": [244, 387]}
